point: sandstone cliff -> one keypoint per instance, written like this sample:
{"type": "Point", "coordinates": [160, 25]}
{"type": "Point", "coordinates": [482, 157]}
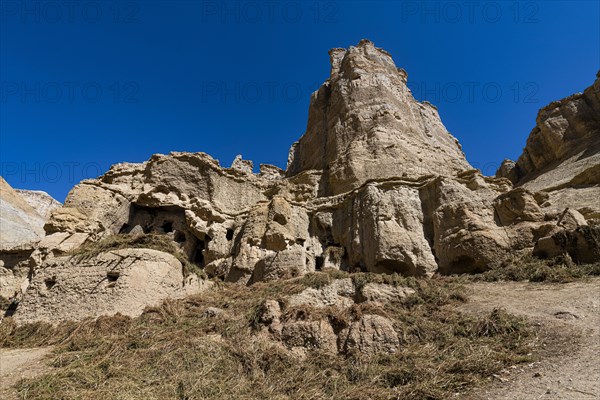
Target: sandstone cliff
{"type": "Point", "coordinates": [364, 124]}
{"type": "Point", "coordinates": [375, 184]}
{"type": "Point", "coordinates": [562, 154]}
{"type": "Point", "coordinates": [20, 223]}
{"type": "Point", "coordinates": [23, 214]}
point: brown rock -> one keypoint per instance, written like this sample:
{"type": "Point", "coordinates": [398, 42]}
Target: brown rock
{"type": "Point", "coordinates": [370, 334]}
{"type": "Point", "coordinates": [364, 119]}
{"type": "Point", "coordinates": [119, 281]}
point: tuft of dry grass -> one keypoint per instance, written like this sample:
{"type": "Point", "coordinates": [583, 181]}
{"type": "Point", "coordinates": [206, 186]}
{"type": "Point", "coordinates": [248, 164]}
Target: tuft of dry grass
{"type": "Point", "coordinates": [153, 241]}
{"type": "Point", "coordinates": [176, 351]}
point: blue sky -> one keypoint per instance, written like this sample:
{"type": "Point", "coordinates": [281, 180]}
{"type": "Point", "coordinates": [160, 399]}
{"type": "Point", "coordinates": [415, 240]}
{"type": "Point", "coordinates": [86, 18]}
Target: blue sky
{"type": "Point", "coordinates": [88, 84]}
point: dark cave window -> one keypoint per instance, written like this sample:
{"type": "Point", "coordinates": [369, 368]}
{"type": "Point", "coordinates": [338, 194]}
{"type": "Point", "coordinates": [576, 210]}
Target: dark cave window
{"type": "Point", "coordinates": [50, 282]}
{"type": "Point", "coordinates": [198, 255]}
{"type": "Point", "coordinates": [229, 234]}
{"type": "Point", "coordinates": [112, 276]}
{"type": "Point", "coordinates": [319, 263]}
{"type": "Point", "coordinates": [179, 237]}
{"type": "Point", "coordinates": [167, 227]}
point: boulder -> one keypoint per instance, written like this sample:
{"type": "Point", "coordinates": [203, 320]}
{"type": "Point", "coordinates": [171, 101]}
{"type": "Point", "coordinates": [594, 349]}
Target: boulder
{"type": "Point", "coordinates": [310, 335]}
{"type": "Point", "coordinates": [369, 334]}
{"type": "Point", "coordinates": [120, 281]}
{"type": "Point", "coordinates": [581, 244]}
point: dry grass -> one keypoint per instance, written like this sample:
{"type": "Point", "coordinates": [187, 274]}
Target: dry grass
{"type": "Point", "coordinates": [176, 352]}
{"type": "Point", "coordinates": [153, 241]}
{"type": "Point", "coordinates": [529, 268]}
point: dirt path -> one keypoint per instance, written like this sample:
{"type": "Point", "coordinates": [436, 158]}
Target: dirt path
{"type": "Point", "coordinates": [569, 316]}
{"type": "Point", "coordinates": [16, 364]}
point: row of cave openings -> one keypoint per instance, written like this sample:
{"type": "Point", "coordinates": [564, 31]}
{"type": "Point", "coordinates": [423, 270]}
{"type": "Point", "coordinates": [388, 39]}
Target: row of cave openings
{"type": "Point", "coordinates": [171, 221]}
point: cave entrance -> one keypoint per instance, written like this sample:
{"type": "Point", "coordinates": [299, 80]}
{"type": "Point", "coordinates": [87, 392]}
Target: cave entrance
{"type": "Point", "coordinates": [394, 266]}
{"type": "Point", "coordinates": [167, 227]}
{"type": "Point", "coordinates": [319, 261]}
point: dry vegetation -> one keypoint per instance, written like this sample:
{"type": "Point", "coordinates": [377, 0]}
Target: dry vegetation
{"type": "Point", "coordinates": [176, 351]}
{"type": "Point", "coordinates": [529, 268]}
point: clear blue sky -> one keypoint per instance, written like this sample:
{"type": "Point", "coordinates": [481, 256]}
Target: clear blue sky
{"type": "Point", "coordinates": [90, 84]}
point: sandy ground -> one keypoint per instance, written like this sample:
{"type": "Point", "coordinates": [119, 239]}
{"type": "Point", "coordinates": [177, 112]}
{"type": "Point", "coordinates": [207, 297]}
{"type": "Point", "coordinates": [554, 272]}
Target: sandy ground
{"type": "Point", "coordinates": [16, 364]}
{"type": "Point", "coordinates": [568, 315]}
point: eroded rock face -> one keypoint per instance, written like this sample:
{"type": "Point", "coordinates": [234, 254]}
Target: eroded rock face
{"type": "Point", "coordinates": [375, 184]}
{"type": "Point", "coordinates": [562, 154]}
{"type": "Point", "coordinates": [364, 124]}
{"type": "Point", "coordinates": [369, 333]}
{"type": "Point", "coordinates": [40, 201]}
{"type": "Point", "coordinates": [22, 215]}
{"type": "Point", "coordinates": [119, 281]}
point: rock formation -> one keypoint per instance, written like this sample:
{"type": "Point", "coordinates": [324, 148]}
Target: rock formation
{"type": "Point", "coordinates": [376, 183]}
{"type": "Point", "coordinates": [23, 214]}
{"type": "Point", "coordinates": [40, 201]}
{"type": "Point", "coordinates": [369, 333]}
{"type": "Point", "coordinates": [562, 154]}
{"type": "Point", "coordinates": [364, 124]}
{"type": "Point", "coordinates": [124, 281]}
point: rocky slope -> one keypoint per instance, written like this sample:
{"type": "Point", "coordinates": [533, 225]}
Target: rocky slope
{"type": "Point", "coordinates": [375, 184]}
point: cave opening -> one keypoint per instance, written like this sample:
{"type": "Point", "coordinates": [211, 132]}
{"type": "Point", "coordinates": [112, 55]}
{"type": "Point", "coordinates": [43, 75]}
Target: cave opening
{"type": "Point", "coordinates": [50, 282]}
{"type": "Point", "coordinates": [229, 234]}
{"type": "Point", "coordinates": [179, 237]}
{"type": "Point", "coordinates": [198, 257]}
{"type": "Point", "coordinates": [319, 261]}
{"type": "Point", "coordinates": [167, 227]}
{"type": "Point", "coordinates": [112, 276]}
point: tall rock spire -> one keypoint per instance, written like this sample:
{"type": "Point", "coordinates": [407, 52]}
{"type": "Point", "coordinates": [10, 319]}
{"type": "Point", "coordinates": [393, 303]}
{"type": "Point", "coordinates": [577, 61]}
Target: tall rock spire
{"type": "Point", "coordinates": [365, 124]}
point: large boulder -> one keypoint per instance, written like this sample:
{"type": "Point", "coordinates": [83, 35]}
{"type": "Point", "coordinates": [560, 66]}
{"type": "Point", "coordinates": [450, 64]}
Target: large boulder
{"type": "Point", "coordinates": [120, 281]}
{"type": "Point", "coordinates": [581, 244]}
{"type": "Point", "coordinates": [369, 334]}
